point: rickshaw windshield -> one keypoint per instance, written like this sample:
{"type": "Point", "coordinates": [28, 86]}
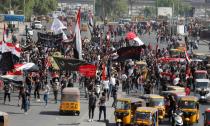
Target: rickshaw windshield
{"type": "Point", "coordinates": [143, 116]}
{"type": "Point", "coordinates": [70, 98]}
{"type": "Point", "coordinates": [202, 85]}
{"type": "Point", "coordinates": [122, 105]}
{"type": "Point", "coordinates": [157, 102]}
{"type": "Point", "coordinates": [187, 104]}
{"type": "Point", "coordinates": [200, 75]}
{"type": "Point", "coordinates": [207, 115]}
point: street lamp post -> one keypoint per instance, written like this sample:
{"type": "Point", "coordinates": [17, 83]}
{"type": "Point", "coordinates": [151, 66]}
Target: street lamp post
{"type": "Point", "coordinates": [24, 7]}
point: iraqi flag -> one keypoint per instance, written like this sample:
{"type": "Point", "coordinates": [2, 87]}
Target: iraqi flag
{"type": "Point", "coordinates": [6, 62]}
{"type": "Point", "coordinates": [78, 41]}
{"type": "Point", "coordinates": [26, 67]}
{"type": "Point", "coordinates": [187, 57]}
{"type": "Point", "coordinates": [90, 16]}
{"type": "Point", "coordinates": [134, 37]}
{"type": "Point", "coordinates": [13, 76]}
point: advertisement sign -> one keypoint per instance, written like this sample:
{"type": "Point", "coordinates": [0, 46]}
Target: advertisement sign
{"type": "Point", "coordinates": [165, 11]}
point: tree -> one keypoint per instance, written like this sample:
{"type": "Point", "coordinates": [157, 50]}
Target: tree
{"type": "Point", "coordinates": [111, 7]}
{"type": "Point", "coordinates": [42, 7]}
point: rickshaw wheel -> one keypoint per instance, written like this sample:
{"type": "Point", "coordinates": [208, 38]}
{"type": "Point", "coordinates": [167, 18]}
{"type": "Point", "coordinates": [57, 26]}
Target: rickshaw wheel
{"type": "Point", "coordinates": [77, 113]}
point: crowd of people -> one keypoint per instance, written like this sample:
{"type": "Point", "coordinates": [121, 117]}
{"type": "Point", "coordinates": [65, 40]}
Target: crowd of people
{"type": "Point", "coordinates": [154, 77]}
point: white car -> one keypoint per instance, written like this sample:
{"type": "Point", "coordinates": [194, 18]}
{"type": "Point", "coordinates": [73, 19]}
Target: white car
{"type": "Point", "coordinates": [36, 25]}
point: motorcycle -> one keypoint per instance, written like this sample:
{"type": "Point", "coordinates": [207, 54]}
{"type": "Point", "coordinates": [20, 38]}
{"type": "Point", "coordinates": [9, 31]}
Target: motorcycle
{"type": "Point", "coordinates": [203, 95]}
{"type": "Point", "coordinates": [177, 117]}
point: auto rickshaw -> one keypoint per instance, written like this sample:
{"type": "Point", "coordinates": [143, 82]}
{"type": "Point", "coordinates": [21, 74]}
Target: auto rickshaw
{"type": "Point", "coordinates": [176, 88]}
{"type": "Point", "coordinates": [125, 108]}
{"type": "Point", "coordinates": [190, 108]}
{"type": "Point", "coordinates": [206, 115]}
{"type": "Point", "coordinates": [4, 119]}
{"type": "Point", "coordinates": [176, 94]}
{"type": "Point", "coordinates": [135, 103]}
{"type": "Point", "coordinates": [70, 101]}
{"type": "Point", "coordinates": [123, 111]}
{"type": "Point", "coordinates": [146, 116]}
{"type": "Point", "coordinates": [201, 74]}
{"type": "Point", "coordinates": [176, 52]}
{"type": "Point", "coordinates": [158, 102]}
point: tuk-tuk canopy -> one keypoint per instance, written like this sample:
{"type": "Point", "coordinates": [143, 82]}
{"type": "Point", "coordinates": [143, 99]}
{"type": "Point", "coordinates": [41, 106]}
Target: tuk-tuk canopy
{"type": "Point", "coordinates": [189, 98]}
{"type": "Point", "coordinates": [147, 109]}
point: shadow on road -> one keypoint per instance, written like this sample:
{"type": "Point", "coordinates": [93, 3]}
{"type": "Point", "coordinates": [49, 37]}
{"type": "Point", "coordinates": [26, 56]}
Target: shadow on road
{"type": "Point", "coordinates": [14, 113]}
{"type": "Point", "coordinates": [73, 124]}
{"type": "Point", "coordinates": [49, 113]}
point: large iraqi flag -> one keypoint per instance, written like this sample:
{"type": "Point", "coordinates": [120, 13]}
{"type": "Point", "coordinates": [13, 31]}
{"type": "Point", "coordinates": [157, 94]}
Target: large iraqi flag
{"type": "Point", "coordinates": [78, 41]}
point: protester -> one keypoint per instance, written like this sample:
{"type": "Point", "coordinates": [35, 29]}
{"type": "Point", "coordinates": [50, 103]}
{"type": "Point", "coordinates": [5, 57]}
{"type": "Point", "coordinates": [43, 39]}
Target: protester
{"type": "Point", "coordinates": [46, 94]}
{"type": "Point", "coordinates": [37, 90]}
{"type": "Point", "coordinates": [92, 105]}
{"type": "Point", "coordinates": [7, 90]}
{"type": "Point", "coordinates": [102, 106]}
{"type": "Point", "coordinates": [55, 87]}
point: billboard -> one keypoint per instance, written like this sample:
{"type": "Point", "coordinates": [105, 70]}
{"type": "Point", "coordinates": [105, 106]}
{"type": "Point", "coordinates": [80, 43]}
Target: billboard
{"type": "Point", "coordinates": [165, 11]}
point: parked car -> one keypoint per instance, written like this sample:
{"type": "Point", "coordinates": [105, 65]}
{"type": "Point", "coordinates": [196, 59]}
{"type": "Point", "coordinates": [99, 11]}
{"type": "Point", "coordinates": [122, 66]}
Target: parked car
{"type": "Point", "coordinates": [36, 25]}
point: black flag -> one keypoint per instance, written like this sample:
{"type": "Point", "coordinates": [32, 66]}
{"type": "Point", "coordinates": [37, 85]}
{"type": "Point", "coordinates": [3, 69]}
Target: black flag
{"type": "Point", "coordinates": [131, 52]}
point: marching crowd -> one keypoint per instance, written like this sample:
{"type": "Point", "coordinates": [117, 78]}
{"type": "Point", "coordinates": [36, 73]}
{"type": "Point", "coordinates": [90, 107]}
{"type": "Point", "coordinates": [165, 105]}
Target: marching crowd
{"type": "Point", "coordinates": [154, 77]}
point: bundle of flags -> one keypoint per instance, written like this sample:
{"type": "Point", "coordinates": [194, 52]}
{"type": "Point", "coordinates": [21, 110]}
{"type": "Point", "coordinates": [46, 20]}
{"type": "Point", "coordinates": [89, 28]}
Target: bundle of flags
{"type": "Point", "coordinates": [10, 53]}
{"type": "Point", "coordinates": [58, 27]}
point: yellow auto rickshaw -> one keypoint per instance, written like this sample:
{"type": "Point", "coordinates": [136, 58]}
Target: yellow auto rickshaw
{"type": "Point", "coordinates": [176, 88]}
{"type": "Point", "coordinates": [135, 103]}
{"type": "Point", "coordinates": [70, 101]}
{"type": "Point", "coordinates": [4, 119]}
{"type": "Point", "coordinates": [125, 108]}
{"type": "Point", "coordinates": [190, 107]}
{"type": "Point", "coordinates": [146, 116]}
{"type": "Point", "coordinates": [158, 102]}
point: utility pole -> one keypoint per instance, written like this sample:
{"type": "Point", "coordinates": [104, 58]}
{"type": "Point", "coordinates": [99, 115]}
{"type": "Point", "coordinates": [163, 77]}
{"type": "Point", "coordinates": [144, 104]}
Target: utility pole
{"type": "Point", "coordinates": [24, 4]}
{"type": "Point", "coordinates": [10, 6]}
{"type": "Point", "coordinates": [157, 8]}
{"type": "Point", "coordinates": [205, 9]}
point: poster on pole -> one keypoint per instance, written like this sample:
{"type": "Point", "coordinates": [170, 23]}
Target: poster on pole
{"type": "Point", "coordinates": [180, 29]}
{"type": "Point", "coordinates": [165, 11]}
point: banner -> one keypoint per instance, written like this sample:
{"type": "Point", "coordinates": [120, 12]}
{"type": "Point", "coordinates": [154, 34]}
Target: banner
{"type": "Point", "coordinates": [88, 70]}
{"type": "Point", "coordinates": [68, 64]}
{"type": "Point", "coordinates": [50, 40]}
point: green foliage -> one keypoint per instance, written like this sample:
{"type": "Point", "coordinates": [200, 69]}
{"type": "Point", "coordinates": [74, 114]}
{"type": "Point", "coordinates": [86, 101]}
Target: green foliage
{"type": "Point", "coordinates": [37, 7]}
{"type": "Point", "coordinates": [42, 7]}
{"type": "Point", "coordinates": [114, 8]}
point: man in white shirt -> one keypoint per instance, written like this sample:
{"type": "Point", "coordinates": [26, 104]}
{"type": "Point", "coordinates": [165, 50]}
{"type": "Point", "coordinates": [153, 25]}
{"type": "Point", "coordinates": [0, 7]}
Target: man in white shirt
{"type": "Point", "coordinates": [112, 84]}
{"type": "Point", "coordinates": [106, 86]}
